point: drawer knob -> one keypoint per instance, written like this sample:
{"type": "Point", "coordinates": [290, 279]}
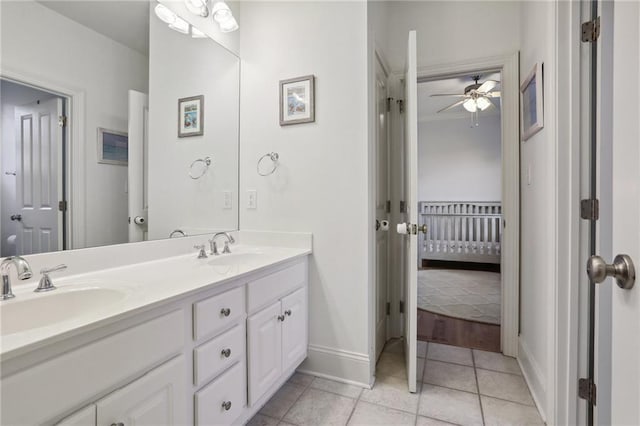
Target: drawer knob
{"type": "Point", "coordinates": [225, 312]}
{"type": "Point", "coordinates": [288, 312]}
{"type": "Point", "coordinates": [226, 353]}
{"type": "Point", "coordinates": [280, 317]}
{"type": "Point", "coordinates": [226, 405]}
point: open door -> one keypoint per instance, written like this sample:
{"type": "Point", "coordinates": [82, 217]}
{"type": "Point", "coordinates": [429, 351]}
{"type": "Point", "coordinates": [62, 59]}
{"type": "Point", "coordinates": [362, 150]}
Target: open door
{"type": "Point", "coordinates": [138, 149]}
{"type": "Point", "coordinates": [39, 170]}
{"type": "Point", "coordinates": [410, 229]}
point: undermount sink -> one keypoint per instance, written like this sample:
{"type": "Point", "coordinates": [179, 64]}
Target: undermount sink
{"type": "Point", "coordinates": [41, 310]}
{"type": "Point", "coordinates": [235, 258]}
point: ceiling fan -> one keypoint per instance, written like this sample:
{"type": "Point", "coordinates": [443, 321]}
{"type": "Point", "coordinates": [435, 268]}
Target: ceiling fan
{"type": "Point", "coordinates": [476, 96]}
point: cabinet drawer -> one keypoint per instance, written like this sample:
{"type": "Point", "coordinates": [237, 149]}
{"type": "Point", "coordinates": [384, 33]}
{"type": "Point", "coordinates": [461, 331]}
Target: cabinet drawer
{"type": "Point", "coordinates": [228, 388]}
{"type": "Point", "coordinates": [218, 312]}
{"type": "Point", "coordinates": [211, 358]}
{"type": "Point", "coordinates": [265, 290]}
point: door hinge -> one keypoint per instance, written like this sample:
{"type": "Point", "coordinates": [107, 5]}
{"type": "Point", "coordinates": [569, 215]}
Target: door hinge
{"type": "Point", "coordinates": [587, 390]}
{"type": "Point", "coordinates": [590, 209]}
{"type": "Point", "coordinates": [389, 100]}
{"type": "Point", "coordinates": [402, 307]}
{"type": "Point", "coordinates": [388, 308]}
{"type": "Point", "coordinates": [591, 30]}
{"type": "Point", "coordinates": [62, 120]}
{"type": "Point", "coordinates": [400, 105]}
{"type": "Point", "coordinates": [62, 206]}
{"type": "Point", "coordinates": [403, 206]}
{"type": "Point", "coordinates": [388, 206]}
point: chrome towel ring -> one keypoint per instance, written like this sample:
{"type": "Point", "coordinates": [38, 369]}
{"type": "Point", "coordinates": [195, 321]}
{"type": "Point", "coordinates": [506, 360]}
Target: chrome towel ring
{"type": "Point", "coordinates": [206, 162]}
{"type": "Point", "coordinates": [273, 156]}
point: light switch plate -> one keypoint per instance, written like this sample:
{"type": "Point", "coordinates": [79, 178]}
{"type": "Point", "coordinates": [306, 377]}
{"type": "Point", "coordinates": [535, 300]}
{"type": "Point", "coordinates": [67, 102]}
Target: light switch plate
{"type": "Point", "coordinates": [252, 199]}
{"type": "Point", "coordinates": [227, 200]}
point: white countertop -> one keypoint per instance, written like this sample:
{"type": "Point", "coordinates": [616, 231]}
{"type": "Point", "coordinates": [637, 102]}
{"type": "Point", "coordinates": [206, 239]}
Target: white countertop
{"type": "Point", "coordinates": [138, 287]}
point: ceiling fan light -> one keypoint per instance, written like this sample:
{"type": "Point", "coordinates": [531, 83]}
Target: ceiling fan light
{"type": "Point", "coordinates": [221, 12]}
{"type": "Point", "coordinates": [229, 25]}
{"type": "Point", "coordinates": [483, 103]}
{"type": "Point", "coordinates": [180, 25]}
{"type": "Point", "coordinates": [165, 14]}
{"type": "Point", "coordinates": [197, 7]}
{"type": "Point", "coordinates": [470, 105]}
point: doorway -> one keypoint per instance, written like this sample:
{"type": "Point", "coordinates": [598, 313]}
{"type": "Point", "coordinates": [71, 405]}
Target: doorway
{"type": "Point", "coordinates": [33, 150]}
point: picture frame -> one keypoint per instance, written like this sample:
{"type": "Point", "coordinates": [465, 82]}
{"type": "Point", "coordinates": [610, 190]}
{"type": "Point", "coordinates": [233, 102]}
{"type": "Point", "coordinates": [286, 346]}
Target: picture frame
{"type": "Point", "coordinates": [297, 100]}
{"type": "Point", "coordinates": [113, 147]}
{"type": "Point", "coordinates": [532, 102]}
{"type": "Point", "coordinates": [191, 116]}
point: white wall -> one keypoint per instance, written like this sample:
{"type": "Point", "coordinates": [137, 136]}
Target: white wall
{"type": "Point", "coordinates": [181, 67]}
{"type": "Point", "coordinates": [321, 184]}
{"type": "Point", "coordinates": [43, 45]}
{"type": "Point", "coordinates": [457, 162]}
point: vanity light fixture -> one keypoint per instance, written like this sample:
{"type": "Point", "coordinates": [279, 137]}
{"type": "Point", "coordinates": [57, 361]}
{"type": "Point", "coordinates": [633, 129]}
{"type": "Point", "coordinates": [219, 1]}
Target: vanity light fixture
{"type": "Point", "coordinates": [180, 25]}
{"type": "Point", "coordinates": [197, 7]}
{"type": "Point", "coordinates": [224, 17]}
{"type": "Point", "coordinates": [165, 14]}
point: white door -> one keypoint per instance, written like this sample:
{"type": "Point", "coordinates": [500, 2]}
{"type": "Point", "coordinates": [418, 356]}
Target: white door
{"type": "Point", "coordinates": [137, 168]}
{"type": "Point", "coordinates": [410, 229]}
{"type": "Point", "coordinates": [625, 378]}
{"type": "Point", "coordinates": [157, 398]}
{"type": "Point", "coordinates": [264, 346]}
{"type": "Point", "coordinates": [38, 177]}
{"type": "Point", "coordinates": [294, 328]}
{"type": "Point", "coordinates": [382, 196]}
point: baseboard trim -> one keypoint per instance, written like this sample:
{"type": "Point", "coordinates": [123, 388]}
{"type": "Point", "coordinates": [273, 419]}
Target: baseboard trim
{"type": "Point", "coordinates": [339, 365]}
{"type": "Point", "coordinates": [533, 376]}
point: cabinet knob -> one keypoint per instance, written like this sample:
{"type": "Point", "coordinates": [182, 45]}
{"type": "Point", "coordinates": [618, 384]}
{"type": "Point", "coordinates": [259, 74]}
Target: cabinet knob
{"type": "Point", "coordinates": [225, 312]}
{"type": "Point", "coordinates": [280, 317]}
{"type": "Point", "coordinates": [226, 405]}
{"type": "Point", "coordinates": [288, 312]}
{"type": "Point", "coordinates": [226, 353]}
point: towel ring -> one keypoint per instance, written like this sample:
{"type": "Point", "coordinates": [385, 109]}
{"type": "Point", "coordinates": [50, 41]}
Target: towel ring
{"type": "Point", "coordinates": [207, 163]}
{"type": "Point", "coordinates": [273, 156]}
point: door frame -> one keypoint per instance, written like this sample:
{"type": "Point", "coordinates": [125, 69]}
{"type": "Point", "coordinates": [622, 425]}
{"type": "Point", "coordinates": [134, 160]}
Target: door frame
{"type": "Point", "coordinates": [75, 162]}
{"type": "Point", "coordinates": [508, 65]}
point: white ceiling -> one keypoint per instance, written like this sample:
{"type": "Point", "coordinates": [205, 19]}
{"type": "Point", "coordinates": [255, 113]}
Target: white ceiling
{"type": "Point", "coordinates": [126, 22]}
{"type": "Point", "coordinates": [428, 106]}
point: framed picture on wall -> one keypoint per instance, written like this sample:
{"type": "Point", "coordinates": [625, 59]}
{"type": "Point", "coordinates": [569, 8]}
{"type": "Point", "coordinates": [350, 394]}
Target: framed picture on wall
{"type": "Point", "coordinates": [113, 147]}
{"type": "Point", "coordinates": [191, 116]}
{"type": "Point", "coordinates": [297, 100]}
{"type": "Point", "coordinates": [532, 102]}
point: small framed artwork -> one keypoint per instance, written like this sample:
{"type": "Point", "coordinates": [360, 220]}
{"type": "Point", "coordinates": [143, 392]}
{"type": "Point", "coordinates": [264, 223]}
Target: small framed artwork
{"type": "Point", "coordinates": [191, 116]}
{"type": "Point", "coordinates": [297, 100]}
{"type": "Point", "coordinates": [113, 147]}
{"type": "Point", "coordinates": [532, 103]}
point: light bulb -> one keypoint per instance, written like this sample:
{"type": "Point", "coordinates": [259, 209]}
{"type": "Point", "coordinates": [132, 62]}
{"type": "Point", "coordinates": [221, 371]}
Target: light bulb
{"type": "Point", "coordinates": [229, 25]}
{"type": "Point", "coordinates": [197, 7]}
{"type": "Point", "coordinates": [165, 14]}
{"type": "Point", "coordinates": [483, 103]}
{"type": "Point", "coordinates": [470, 105]}
{"type": "Point", "coordinates": [221, 12]}
{"type": "Point", "coordinates": [180, 25]}
{"type": "Point", "coordinates": [196, 33]}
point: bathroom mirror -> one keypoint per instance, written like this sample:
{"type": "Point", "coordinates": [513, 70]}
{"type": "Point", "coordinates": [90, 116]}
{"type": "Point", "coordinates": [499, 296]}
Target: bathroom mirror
{"type": "Point", "coordinates": [115, 127]}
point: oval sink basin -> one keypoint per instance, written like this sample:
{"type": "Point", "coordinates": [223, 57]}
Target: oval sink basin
{"type": "Point", "coordinates": [41, 310]}
{"type": "Point", "coordinates": [235, 259]}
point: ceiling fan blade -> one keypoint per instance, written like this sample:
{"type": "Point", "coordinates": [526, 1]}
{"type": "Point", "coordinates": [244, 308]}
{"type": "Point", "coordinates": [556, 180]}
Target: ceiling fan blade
{"type": "Point", "coordinates": [449, 94]}
{"type": "Point", "coordinates": [487, 86]}
{"type": "Point", "coordinates": [495, 94]}
{"type": "Point", "coordinates": [452, 106]}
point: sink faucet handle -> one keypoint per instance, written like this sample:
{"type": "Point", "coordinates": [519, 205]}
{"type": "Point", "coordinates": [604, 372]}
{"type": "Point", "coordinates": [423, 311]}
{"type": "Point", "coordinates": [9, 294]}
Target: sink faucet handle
{"type": "Point", "coordinates": [214, 247]}
{"type": "Point", "coordinates": [226, 247]}
{"type": "Point", "coordinates": [45, 283]}
{"type": "Point", "coordinates": [201, 254]}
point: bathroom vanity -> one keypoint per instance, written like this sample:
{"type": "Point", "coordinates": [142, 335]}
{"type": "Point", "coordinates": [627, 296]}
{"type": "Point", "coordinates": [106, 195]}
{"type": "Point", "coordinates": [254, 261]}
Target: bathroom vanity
{"type": "Point", "coordinates": [174, 340]}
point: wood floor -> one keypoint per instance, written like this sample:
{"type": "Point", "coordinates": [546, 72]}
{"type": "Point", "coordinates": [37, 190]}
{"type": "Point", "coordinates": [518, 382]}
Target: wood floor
{"type": "Point", "coordinates": [458, 332]}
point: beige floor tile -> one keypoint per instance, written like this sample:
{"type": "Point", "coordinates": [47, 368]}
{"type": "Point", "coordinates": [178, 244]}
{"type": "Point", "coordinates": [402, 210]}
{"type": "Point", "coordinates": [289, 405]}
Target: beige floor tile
{"type": "Point", "coordinates": [422, 349]}
{"type": "Point", "coordinates": [450, 405]}
{"type": "Point", "coordinates": [499, 412]}
{"type": "Point", "coordinates": [301, 379]}
{"type": "Point", "coordinates": [280, 403]}
{"type": "Point", "coordinates": [395, 346]}
{"type": "Point", "coordinates": [343, 389]}
{"type": "Point", "coordinates": [260, 420]}
{"type": "Point", "coordinates": [495, 361]}
{"type": "Point", "coordinates": [316, 407]}
{"type": "Point", "coordinates": [426, 421]}
{"type": "Point", "coordinates": [391, 392]}
{"type": "Point", "coordinates": [446, 353]}
{"type": "Point", "coordinates": [452, 376]}
{"type": "Point", "coordinates": [391, 364]}
{"type": "Point", "coordinates": [503, 386]}
{"type": "Point", "coordinates": [372, 414]}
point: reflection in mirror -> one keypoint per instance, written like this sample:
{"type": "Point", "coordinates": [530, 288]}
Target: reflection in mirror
{"type": "Point", "coordinates": [90, 152]}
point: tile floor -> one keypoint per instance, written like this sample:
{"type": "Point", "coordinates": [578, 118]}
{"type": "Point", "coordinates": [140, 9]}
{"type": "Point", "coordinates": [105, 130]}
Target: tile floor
{"type": "Point", "coordinates": [455, 386]}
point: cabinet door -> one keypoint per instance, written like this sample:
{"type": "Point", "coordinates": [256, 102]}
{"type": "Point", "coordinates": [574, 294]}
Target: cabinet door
{"type": "Point", "coordinates": [264, 331]}
{"type": "Point", "coordinates": [84, 417]}
{"type": "Point", "coordinates": [157, 398]}
{"type": "Point", "coordinates": [294, 329]}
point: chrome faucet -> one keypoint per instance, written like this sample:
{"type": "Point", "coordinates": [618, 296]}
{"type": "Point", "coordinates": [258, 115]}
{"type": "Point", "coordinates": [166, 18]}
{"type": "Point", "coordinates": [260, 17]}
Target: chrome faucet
{"type": "Point", "coordinates": [24, 273]}
{"type": "Point", "coordinates": [45, 283]}
{"type": "Point", "coordinates": [214, 246]}
{"type": "Point", "coordinates": [201, 253]}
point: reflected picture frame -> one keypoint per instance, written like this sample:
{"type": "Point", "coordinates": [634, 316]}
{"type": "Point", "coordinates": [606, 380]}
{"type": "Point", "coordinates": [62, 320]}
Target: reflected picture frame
{"type": "Point", "coordinates": [532, 102]}
{"type": "Point", "coordinates": [113, 147]}
{"type": "Point", "coordinates": [191, 116]}
{"type": "Point", "coordinates": [297, 100]}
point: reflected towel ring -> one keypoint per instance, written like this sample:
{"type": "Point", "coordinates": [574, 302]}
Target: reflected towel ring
{"type": "Point", "coordinates": [206, 163]}
{"type": "Point", "coordinates": [273, 156]}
